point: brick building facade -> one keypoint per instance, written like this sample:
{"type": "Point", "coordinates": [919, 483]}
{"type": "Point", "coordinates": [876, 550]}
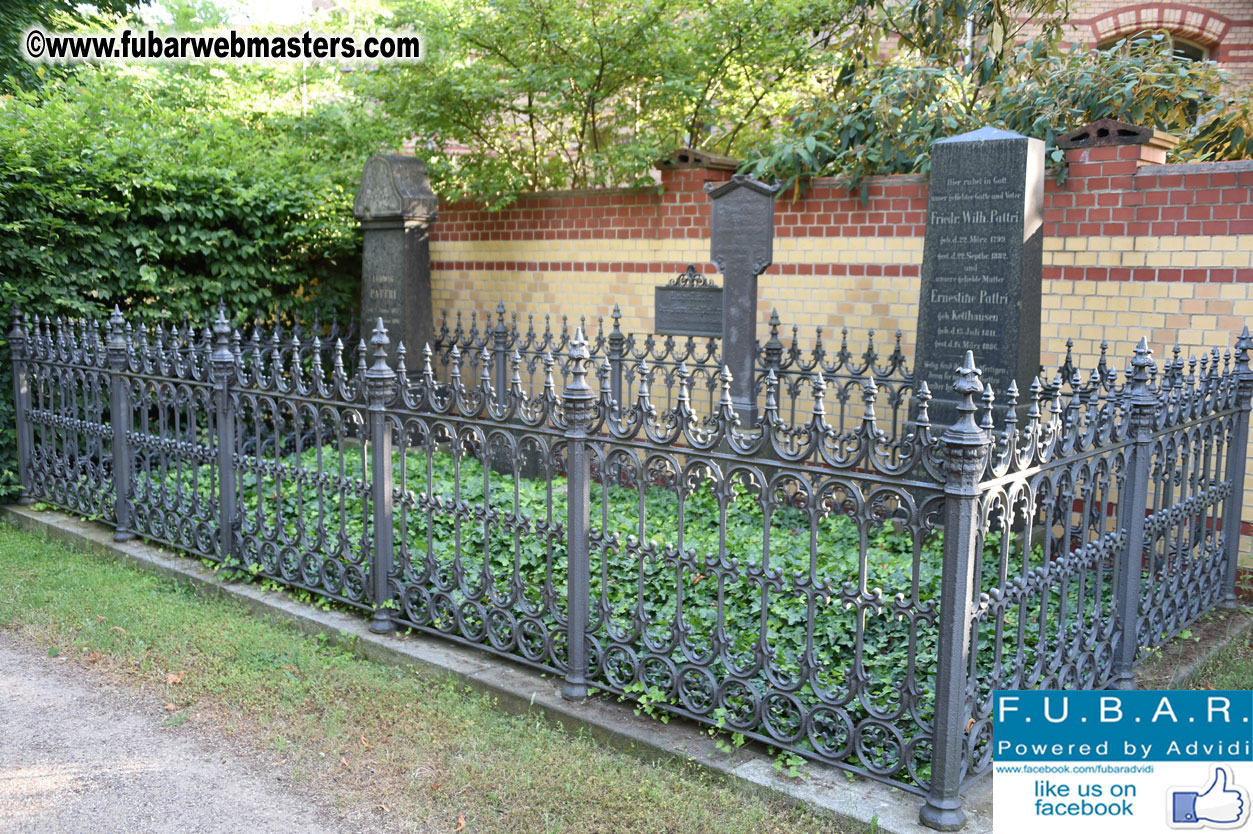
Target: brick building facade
{"type": "Point", "coordinates": [1216, 30]}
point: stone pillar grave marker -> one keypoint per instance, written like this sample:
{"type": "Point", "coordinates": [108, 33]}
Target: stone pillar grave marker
{"type": "Point", "coordinates": [397, 209]}
{"type": "Point", "coordinates": [981, 264]}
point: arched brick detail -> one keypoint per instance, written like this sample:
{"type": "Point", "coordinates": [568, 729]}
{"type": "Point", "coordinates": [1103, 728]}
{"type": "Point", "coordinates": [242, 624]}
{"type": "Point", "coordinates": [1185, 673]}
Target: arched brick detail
{"type": "Point", "coordinates": [1188, 22]}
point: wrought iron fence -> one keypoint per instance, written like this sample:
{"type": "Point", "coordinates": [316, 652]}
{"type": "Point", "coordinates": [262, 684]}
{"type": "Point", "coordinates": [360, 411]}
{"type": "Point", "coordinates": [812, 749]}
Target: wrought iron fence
{"type": "Point", "coordinates": [665, 360]}
{"type": "Point", "coordinates": [848, 587]}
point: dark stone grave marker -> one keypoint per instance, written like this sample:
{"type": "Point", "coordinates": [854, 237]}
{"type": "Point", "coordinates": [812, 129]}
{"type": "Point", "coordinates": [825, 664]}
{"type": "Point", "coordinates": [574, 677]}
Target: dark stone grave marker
{"type": "Point", "coordinates": [741, 246]}
{"type": "Point", "coordinates": [396, 208]}
{"type": "Point", "coordinates": [981, 263]}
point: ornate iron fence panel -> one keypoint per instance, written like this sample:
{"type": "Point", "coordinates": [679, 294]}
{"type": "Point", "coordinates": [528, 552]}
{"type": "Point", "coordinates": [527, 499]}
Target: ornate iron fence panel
{"type": "Point", "coordinates": [480, 513]}
{"type": "Point", "coordinates": [1191, 528]}
{"type": "Point", "coordinates": [836, 578]}
{"type": "Point", "coordinates": [1050, 531]}
{"type": "Point", "coordinates": [67, 439]}
{"type": "Point", "coordinates": [758, 597]}
{"type": "Point", "coordinates": [667, 363]}
{"type": "Point", "coordinates": [774, 581]}
{"type": "Point", "coordinates": [300, 466]}
{"type": "Point", "coordinates": [172, 437]}
{"type": "Point", "coordinates": [1106, 525]}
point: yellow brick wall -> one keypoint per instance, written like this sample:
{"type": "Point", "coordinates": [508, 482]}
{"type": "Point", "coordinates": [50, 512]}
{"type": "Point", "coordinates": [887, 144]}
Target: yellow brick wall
{"type": "Point", "coordinates": [1197, 316]}
{"type": "Point", "coordinates": [808, 301]}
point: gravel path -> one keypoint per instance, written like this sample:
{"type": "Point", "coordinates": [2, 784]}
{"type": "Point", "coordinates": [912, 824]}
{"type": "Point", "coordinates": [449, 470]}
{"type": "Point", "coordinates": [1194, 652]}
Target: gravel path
{"type": "Point", "coordinates": [78, 756]}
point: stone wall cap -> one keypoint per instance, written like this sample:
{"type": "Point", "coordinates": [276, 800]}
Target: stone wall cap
{"type": "Point", "coordinates": [1185, 168]}
{"type": "Point", "coordinates": [692, 158]}
{"type": "Point", "coordinates": [741, 181]}
{"type": "Point", "coordinates": [1110, 132]}
{"type": "Point", "coordinates": [395, 185]}
{"type": "Point", "coordinates": [983, 134]}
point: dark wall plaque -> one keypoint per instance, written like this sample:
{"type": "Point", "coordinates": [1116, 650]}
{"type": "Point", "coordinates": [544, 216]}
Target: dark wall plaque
{"type": "Point", "coordinates": [982, 260]}
{"type": "Point", "coordinates": [688, 311]}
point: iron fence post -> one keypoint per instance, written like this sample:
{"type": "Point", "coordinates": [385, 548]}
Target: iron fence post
{"type": "Point", "coordinates": [223, 359]}
{"type": "Point", "coordinates": [966, 453]}
{"type": "Point", "coordinates": [21, 405]}
{"type": "Point", "coordinates": [772, 350]}
{"type": "Point", "coordinates": [578, 403]}
{"type": "Point", "coordinates": [120, 420]}
{"type": "Point", "coordinates": [617, 356]}
{"type": "Point", "coordinates": [380, 384]}
{"type": "Point", "coordinates": [772, 354]}
{"type": "Point", "coordinates": [500, 356]}
{"type": "Point", "coordinates": [1236, 463]}
{"type": "Point", "coordinates": [1132, 506]}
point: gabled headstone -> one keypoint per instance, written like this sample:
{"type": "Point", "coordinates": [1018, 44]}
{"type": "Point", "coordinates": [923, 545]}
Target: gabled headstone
{"type": "Point", "coordinates": [396, 208]}
{"type": "Point", "coordinates": [741, 246]}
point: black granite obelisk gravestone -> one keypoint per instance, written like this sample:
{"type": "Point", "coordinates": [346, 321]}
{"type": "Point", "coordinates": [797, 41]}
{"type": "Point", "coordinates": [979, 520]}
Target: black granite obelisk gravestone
{"type": "Point", "coordinates": [397, 208]}
{"type": "Point", "coordinates": [981, 263]}
{"type": "Point", "coordinates": [741, 246]}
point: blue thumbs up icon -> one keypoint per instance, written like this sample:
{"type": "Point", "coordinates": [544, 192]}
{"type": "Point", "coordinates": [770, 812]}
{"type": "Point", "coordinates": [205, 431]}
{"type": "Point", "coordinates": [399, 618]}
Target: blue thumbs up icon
{"type": "Point", "coordinates": [1223, 804]}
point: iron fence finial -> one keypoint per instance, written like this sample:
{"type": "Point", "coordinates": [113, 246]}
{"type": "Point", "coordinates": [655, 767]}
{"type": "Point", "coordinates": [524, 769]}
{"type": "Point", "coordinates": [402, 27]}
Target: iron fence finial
{"type": "Point", "coordinates": [1011, 406]}
{"type": "Point", "coordinates": [485, 372]}
{"type": "Point", "coordinates": [15, 313]}
{"type": "Point", "coordinates": [549, 385]}
{"type": "Point", "coordinates": [968, 385]}
{"type": "Point", "coordinates": [117, 330]}
{"type": "Point", "coordinates": [726, 407]}
{"type": "Point", "coordinates": [515, 367]}
{"type": "Point", "coordinates": [923, 396]}
{"type": "Point", "coordinates": [685, 391]}
{"type": "Point", "coordinates": [221, 325]}
{"type": "Point", "coordinates": [1142, 368]}
{"type": "Point", "coordinates": [869, 394]}
{"type": "Point", "coordinates": [428, 373]}
{"type": "Point", "coordinates": [819, 390]}
{"type": "Point", "coordinates": [1243, 345]}
{"type": "Point", "coordinates": [986, 401]}
{"type": "Point", "coordinates": [642, 372]}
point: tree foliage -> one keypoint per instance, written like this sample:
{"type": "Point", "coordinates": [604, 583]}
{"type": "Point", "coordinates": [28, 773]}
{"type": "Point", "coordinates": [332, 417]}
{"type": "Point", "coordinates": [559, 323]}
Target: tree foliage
{"type": "Point", "coordinates": [136, 187]}
{"type": "Point", "coordinates": [523, 95]}
{"type": "Point", "coordinates": [533, 94]}
{"type": "Point", "coordinates": [960, 65]}
{"type": "Point", "coordinates": [166, 189]}
{"type": "Point", "coordinates": [16, 16]}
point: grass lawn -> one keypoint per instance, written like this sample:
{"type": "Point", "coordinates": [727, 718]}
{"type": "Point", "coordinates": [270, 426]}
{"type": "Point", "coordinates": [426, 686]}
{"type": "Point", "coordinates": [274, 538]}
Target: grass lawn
{"type": "Point", "coordinates": [424, 751]}
{"type": "Point", "coordinates": [1232, 668]}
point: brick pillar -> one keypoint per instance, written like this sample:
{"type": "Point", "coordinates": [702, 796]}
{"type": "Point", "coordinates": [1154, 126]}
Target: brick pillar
{"type": "Point", "coordinates": [683, 175]}
{"type": "Point", "coordinates": [1111, 148]}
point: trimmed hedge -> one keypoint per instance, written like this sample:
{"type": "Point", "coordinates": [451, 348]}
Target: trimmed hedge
{"type": "Point", "coordinates": [163, 192]}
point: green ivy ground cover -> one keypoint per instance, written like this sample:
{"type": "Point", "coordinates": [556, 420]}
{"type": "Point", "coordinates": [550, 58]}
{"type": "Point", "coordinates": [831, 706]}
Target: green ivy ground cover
{"type": "Point", "coordinates": [644, 580]}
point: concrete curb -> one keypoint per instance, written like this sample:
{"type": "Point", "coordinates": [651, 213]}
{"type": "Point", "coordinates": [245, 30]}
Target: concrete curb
{"type": "Point", "coordinates": [1177, 663]}
{"type": "Point", "coordinates": [518, 689]}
